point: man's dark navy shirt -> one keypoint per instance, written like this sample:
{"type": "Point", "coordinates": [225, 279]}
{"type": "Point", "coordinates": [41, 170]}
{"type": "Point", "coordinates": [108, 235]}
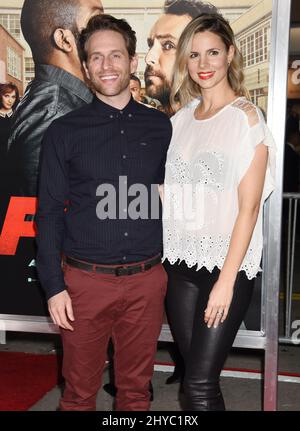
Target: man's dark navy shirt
{"type": "Point", "coordinates": [87, 148]}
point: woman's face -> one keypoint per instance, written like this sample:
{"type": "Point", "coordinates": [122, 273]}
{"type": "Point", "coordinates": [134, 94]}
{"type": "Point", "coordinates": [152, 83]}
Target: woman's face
{"type": "Point", "coordinates": [208, 60]}
{"type": "Point", "coordinates": [8, 100]}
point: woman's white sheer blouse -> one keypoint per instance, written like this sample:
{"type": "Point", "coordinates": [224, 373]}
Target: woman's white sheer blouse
{"type": "Point", "coordinates": [207, 160]}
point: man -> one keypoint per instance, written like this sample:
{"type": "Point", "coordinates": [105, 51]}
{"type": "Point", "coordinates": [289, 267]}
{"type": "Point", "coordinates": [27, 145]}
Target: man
{"type": "Point", "coordinates": [162, 42]}
{"type": "Point", "coordinates": [135, 87]}
{"type": "Point", "coordinates": [136, 91]}
{"type": "Point", "coordinates": [51, 28]}
{"type": "Point", "coordinates": [114, 283]}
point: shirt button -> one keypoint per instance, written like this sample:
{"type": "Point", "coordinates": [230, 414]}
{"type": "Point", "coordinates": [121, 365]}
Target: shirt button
{"type": "Point", "coordinates": [126, 234]}
{"type": "Point", "coordinates": [122, 132]}
{"type": "Point", "coordinates": [129, 115]}
{"type": "Point", "coordinates": [111, 116]}
{"type": "Point", "coordinates": [124, 156]}
{"type": "Point", "coordinates": [124, 257]}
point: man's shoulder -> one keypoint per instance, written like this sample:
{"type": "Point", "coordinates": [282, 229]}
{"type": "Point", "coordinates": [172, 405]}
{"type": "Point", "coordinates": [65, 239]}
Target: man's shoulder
{"type": "Point", "coordinates": [39, 96]}
{"type": "Point", "coordinates": [43, 98]}
{"type": "Point", "coordinates": [34, 113]}
{"type": "Point", "coordinates": [186, 110]}
{"type": "Point", "coordinates": [152, 112]}
{"type": "Point", "coordinates": [73, 117]}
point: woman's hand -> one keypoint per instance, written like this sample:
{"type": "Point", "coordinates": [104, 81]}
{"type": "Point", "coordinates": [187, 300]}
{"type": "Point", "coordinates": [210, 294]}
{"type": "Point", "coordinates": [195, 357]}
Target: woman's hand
{"type": "Point", "coordinates": [219, 302]}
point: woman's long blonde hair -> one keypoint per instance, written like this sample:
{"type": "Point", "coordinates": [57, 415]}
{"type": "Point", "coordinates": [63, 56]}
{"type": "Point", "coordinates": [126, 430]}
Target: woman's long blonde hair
{"type": "Point", "coordinates": [184, 89]}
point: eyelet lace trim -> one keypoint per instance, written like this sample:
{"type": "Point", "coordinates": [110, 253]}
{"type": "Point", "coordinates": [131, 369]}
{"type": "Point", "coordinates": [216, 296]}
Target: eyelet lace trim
{"type": "Point", "coordinates": [207, 252]}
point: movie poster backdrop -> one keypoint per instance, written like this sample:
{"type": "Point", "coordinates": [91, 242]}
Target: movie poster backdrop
{"type": "Point", "coordinates": [21, 293]}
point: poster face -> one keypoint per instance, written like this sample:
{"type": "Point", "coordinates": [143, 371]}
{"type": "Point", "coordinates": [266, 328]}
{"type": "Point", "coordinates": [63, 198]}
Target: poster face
{"type": "Point", "coordinates": [158, 25]}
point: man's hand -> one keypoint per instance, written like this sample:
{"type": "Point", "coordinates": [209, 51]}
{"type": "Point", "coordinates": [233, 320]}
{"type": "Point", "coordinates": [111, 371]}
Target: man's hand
{"type": "Point", "coordinates": [60, 308]}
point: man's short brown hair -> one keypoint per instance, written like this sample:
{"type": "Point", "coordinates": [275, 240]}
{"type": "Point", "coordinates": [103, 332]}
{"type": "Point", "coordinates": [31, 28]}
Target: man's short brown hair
{"type": "Point", "coordinates": [107, 22]}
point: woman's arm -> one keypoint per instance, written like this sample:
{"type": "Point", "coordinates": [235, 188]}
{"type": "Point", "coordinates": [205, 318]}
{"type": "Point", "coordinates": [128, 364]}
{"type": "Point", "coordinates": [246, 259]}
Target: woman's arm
{"type": "Point", "coordinates": [161, 192]}
{"type": "Point", "coordinates": [249, 196]}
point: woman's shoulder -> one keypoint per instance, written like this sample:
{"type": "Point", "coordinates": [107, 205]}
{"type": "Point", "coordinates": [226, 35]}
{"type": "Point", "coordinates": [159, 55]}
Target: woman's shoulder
{"type": "Point", "coordinates": [251, 113]}
{"type": "Point", "coordinates": [185, 111]}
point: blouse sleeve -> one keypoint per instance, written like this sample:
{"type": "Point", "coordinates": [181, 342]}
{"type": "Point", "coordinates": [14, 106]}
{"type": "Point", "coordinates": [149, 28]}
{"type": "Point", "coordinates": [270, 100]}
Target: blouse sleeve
{"type": "Point", "coordinates": [257, 133]}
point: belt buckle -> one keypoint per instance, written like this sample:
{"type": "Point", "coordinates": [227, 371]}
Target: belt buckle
{"type": "Point", "coordinates": [120, 270]}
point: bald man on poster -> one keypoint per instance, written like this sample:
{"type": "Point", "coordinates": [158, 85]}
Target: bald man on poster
{"type": "Point", "coordinates": [51, 28]}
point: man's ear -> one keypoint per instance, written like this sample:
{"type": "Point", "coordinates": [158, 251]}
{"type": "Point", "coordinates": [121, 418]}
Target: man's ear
{"type": "Point", "coordinates": [86, 70]}
{"type": "Point", "coordinates": [64, 39]}
{"type": "Point", "coordinates": [134, 64]}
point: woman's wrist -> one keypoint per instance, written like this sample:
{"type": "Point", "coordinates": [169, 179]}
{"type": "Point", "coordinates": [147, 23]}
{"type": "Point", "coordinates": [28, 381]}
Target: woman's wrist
{"type": "Point", "coordinates": [227, 277]}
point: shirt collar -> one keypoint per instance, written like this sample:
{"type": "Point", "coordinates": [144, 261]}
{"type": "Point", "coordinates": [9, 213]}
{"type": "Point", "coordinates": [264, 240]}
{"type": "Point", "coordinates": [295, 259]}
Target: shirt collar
{"type": "Point", "coordinates": [104, 108]}
{"type": "Point", "coordinates": [56, 75]}
{"type": "Point", "coordinates": [8, 114]}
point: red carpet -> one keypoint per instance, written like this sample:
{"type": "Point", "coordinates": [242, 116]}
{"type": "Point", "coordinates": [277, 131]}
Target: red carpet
{"type": "Point", "coordinates": [25, 378]}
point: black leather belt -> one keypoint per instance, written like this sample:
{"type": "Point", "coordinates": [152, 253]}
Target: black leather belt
{"type": "Point", "coordinates": [114, 270]}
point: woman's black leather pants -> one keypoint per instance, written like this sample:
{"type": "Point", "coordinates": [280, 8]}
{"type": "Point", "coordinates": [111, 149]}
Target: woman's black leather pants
{"type": "Point", "coordinates": [204, 349]}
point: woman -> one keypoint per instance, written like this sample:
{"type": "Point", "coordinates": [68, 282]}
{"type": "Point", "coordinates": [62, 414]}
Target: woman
{"type": "Point", "coordinates": [219, 171]}
{"type": "Point", "coordinates": [9, 98]}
